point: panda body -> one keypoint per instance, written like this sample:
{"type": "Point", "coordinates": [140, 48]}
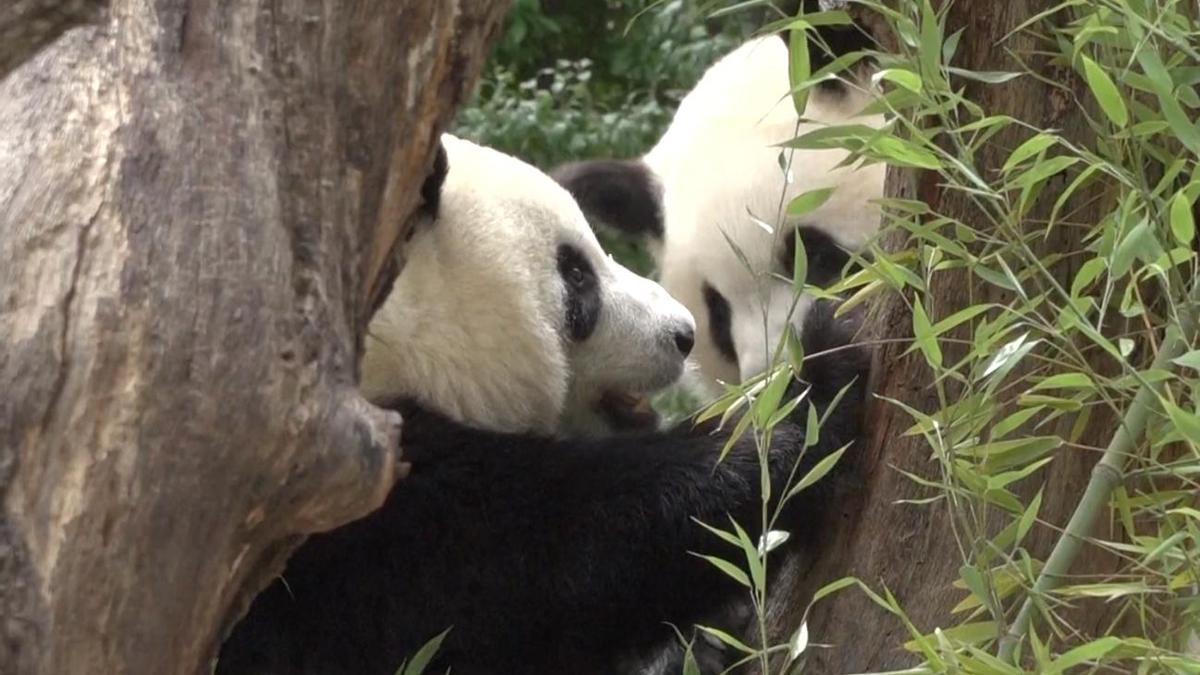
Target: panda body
{"type": "Point", "coordinates": [544, 551]}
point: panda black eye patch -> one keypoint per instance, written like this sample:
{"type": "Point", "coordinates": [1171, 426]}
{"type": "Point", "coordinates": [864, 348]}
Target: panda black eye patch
{"type": "Point", "coordinates": [582, 291]}
{"type": "Point", "coordinates": [720, 321]}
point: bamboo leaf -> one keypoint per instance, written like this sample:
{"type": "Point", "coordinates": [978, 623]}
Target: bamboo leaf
{"type": "Point", "coordinates": [758, 573]}
{"type": "Point", "coordinates": [901, 77]}
{"type": "Point", "coordinates": [727, 639]}
{"type": "Point", "coordinates": [808, 202]}
{"type": "Point", "coordinates": [799, 67]}
{"type": "Point", "coordinates": [1188, 360]}
{"type": "Point", "coordinates": [729, 569]}
{"type": "Point", "coordinates": [834, 587]}
{"type": "Point", "coordinates": [925, 337]}
{"type": "Point", "coordinates": [817, 472]}
{"type": "Point", "coordinates": [1186, 422]}
{"type": "Point", "coordinates": [424, 655]}
{"type": "Point", "coordinates": [1087, 653]}
{"type": "Point", "coordinates": [1183, 225]}
{"type": "Point", "coordinates": [799, 642]}
{"type": "Point", "coordinates": [900, 152]}
{"type": "Point", "coordinates": [1105, 91]}
{"type": "Point", "coordinates": [1028, 149]}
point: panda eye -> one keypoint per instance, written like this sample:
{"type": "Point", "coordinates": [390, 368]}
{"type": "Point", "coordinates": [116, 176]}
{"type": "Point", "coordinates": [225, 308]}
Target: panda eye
{"type": "Point", "coordinates": [575, 276]}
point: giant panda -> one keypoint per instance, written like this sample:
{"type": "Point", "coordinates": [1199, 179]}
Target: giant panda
{"type": "Point", "coordinates": [710, 199]}
{"type": "Point", "coordinates": [543, 550]}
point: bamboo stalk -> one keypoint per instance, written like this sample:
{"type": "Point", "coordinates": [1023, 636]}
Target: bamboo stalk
{"type": "Point", "coordinates": [1106, 476]}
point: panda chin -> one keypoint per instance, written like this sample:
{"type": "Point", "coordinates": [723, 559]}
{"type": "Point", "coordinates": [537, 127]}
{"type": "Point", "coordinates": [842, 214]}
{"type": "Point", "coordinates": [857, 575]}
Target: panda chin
{"type": "Point", "coordinates": [625, 411]}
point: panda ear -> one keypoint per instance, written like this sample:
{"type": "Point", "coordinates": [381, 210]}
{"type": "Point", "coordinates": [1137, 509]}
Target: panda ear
{"type": "Point", "coordinates": [623, 194]}
{"type": "Point", "coordinates": [431, 189]}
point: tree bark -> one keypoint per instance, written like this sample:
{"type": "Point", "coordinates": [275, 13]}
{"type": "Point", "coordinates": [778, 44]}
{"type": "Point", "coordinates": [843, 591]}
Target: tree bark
{"type": "Point", "coordinates": [27, 26]}
{"type": "Point", "coordinates": [909, 549]}
{"type": "Point", "coordinates": [199, 204]}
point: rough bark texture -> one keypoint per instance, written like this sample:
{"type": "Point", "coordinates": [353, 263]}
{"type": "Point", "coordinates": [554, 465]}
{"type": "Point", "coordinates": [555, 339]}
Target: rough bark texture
{"type": "Point", "coordinates": [910, 548]}
{"type": "Point", "coordinates": [199, 202]}
{"type": "Point", "coordinates": [28, 25]}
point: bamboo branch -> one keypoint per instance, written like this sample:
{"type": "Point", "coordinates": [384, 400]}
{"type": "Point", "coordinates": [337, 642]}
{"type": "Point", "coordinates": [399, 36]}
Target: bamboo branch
{"type": "Point", "coordinates": [1106, 476]}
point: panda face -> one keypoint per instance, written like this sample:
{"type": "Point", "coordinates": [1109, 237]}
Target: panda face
{"type": "Point", "coordinates": [508, 314]}
{"type": "Point", "coordinates": [711, 200]}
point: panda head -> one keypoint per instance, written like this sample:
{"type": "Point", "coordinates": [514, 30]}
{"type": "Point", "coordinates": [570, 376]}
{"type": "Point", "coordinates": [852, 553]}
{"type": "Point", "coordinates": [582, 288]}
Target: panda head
{"type": "Point", "coordinates": [509, 316]}
{"type": "Point", "coordinates": [710, 199]}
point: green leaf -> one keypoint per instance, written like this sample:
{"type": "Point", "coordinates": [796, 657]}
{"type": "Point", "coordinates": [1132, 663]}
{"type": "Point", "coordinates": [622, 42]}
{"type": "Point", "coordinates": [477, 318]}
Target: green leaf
{"type": "Point", "coordinates": [1029, 517]}
{"type": "Point", "coordinates": [728, 568]}
{"type": "Point", "coordinates": [809, 201]}
{"type": "Point", "coordinates": [1139, 243]}
{"type": "Point", "coordinates": [818, 472]}
{"type": "Point", "coordinates": [1044, 169]}
{"type": "Point", "coordinates": [1089, 652]}
{"type": "Point", "coordinates": [1066, 381]}
{"type": "Point", "coordinates": [799, 264]}
{"type": "Point", "coordinates": [964, 634]}
{"type": "Point", "coordinates": [1028, 149]}
{"type": "Point", "coordinates": [1164, 88]}
{"type": "Point", "coordinates": [727, 639]}
{"type": "Point", "coordinates": [799, 67]}
{"type": "Point", "coordinates": [924, 335]}
{"type": "Point", "coordinates": [768, 401]}
{"type": "Point", "coordinates": [799, 642]}
{"type": "Point", "coordinates": [1183, 225]}
{"type": "Point", "coordinates": [424, 655]}
{"type": "Point", "coordinates": [812, 432]}
{"type": "Point", "coordinates": [989, 76]}
{"type": "Point", "coordinates": [690, 667]}
{"type": "Point", "coordinates": [758, 574]}
{"type": "Point", "coordinates": [1003, 454]}
{"type": "Point", "coordinates": [1188, 360]}
{"type": "Point", "coordinates": [900, 152]}
{"type": "Point", "coordinates": [1186, 422]}
{"type": "Point", "coordinates": [899, 76]}
{"type": "Point", "coordinates": [834, 586]}
{"type": "Point", "coordinates": [726, 536]}
{"type": "Point", "coordinates": [1105, 91]}
{"type": "Point", "coordinates": [1087, 274]}
{"type": "Point", "coordinates": [958, 317]}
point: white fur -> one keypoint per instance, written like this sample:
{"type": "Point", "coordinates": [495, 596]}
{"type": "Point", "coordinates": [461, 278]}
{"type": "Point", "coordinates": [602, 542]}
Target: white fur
{"type": "Point", "coordinates": [474, 326]}
{"type": "Point", "coordinates": [720, 171]}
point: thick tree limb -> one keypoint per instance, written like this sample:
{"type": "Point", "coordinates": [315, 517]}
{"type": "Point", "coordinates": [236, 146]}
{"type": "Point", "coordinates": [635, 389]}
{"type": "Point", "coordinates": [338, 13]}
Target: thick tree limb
{"type": "Point", "coordinates": [198, 201]}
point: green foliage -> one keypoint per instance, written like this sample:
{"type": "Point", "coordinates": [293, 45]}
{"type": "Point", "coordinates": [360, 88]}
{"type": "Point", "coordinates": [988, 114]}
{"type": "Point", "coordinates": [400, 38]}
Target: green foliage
{"type": "Point", "coordinates": [579, 79]}
{"type": "Point", "coordinates": [1018, 380]}
{"type": "Point", "coordinates": [1023, 369]}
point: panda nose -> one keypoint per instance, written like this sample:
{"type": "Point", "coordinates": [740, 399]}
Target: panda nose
{"type": "Point", "coordinates": [685, 339]}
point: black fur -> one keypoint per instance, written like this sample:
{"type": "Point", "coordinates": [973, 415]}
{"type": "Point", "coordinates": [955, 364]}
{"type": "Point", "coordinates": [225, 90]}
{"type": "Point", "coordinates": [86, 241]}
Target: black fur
{"type": "Point", "coordinates": [623, 194]}
{"type": "Point", "coordinates": [431, 189]}
{"type": "Point", "coordinates": [826, 259]}
{"type": "Point", "coordinates": [546, 556]}
{"type": "Point", "coordinates": [720, 321]}
{"type": "Point", "coordinates": [583, 292]}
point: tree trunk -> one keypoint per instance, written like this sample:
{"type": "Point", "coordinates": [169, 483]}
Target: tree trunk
{"type": "Point", "coordinates": [199, 205]}
{"type": "Point", "coordinates": [909, 549]}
